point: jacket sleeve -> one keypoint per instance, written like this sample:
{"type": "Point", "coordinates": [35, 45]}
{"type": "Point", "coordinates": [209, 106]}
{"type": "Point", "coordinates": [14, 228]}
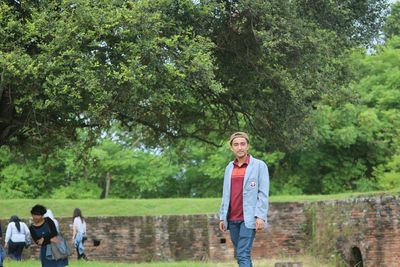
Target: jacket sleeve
{"type": "Point", "coordinates": [223, 200]}
{"type": "Point", "coordinates": [263, 192]}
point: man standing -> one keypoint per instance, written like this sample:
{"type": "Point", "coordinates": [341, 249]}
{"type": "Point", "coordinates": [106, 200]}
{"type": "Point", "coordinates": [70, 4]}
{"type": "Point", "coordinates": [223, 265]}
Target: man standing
{"type": "Point", "coordinates": [244, 204]}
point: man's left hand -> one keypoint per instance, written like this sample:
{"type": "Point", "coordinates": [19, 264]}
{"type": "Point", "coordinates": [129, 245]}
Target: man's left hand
{"type": "Point", "coordinates": [259, 224]}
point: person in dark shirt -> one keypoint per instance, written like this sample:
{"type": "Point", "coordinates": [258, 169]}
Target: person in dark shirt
{"type": "Point", "coordinates": [43, 232]}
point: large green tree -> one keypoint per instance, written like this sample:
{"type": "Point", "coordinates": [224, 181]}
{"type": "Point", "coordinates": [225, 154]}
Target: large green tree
{"type": "Point", "coordinates": [176, 68]}
{"type": "Point", "coordinates": [36, 175]}
{"type": "Point", "coordinates": [278, 57]}
{"type": "Point", "coordinates": [108, 169]}
{"type": "Point", "coordinates": [355, 143]}
{"type": "Point", "coordinates": [81, 64]}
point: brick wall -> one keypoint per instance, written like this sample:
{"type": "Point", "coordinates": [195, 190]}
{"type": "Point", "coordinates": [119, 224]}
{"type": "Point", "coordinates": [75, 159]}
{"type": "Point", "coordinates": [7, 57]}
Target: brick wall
{"type": "Point", "coordinates": [325, 228]}
{"type": "Point", "coordinates": [285, 234]}
{"type": "Point", "coordinates": [371, 225]}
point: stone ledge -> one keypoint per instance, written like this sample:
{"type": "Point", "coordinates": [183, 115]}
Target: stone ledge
{"type": "Point", "coordinates": [288, 264]}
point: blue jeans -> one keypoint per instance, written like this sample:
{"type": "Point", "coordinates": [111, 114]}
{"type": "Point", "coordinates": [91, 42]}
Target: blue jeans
{"type": "Point", "coordinates": [242, 239]}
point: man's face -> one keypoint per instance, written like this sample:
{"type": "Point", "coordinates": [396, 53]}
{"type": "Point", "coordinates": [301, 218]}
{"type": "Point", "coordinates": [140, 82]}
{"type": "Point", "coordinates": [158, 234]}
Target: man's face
{"type": "Point", "coordinates": [240, 147]}
{"type": "Point", "coordinates": [37, 218]}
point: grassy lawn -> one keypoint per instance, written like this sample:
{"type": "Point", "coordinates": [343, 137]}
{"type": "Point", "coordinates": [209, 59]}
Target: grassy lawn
{"type": "Point", "coordinates": [306, 260]}
{"type": "Point", "coordinates": [140, 207]}
{"type": "Point", "coordinates": [111, 207]}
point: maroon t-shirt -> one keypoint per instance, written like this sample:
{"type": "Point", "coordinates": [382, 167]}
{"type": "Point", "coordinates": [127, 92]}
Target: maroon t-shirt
{"type": "Point", "coordinates": [236, 204]}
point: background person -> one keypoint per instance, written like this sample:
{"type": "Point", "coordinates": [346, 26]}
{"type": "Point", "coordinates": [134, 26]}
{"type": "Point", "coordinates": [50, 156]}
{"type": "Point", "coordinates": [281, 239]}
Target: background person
{"type": "Point", "coordinates": [244, 204]}
{"type": "Point", "coordinates": [49, 214]}
{"type": "Point", "coordinates": [16, 234]}
{"type": "Point", "coordinates": [43, 231]}
{"type": "Point", "coordinates": [79, 233]}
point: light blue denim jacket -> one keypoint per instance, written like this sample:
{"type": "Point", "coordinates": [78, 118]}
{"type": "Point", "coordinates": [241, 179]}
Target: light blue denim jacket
{"type": "Point", "coordinates": [255, 193]}
{"type": "Point", "coordinates": [78, 242]}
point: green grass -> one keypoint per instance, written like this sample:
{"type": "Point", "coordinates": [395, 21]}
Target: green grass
{"type": "Point", "coordinates": [341, 196]}
{"type": "Point", "coordinates": [111, 207]}
{"type": "Point", "coordinates": [141, 207]}
{"type": "Point", "coordinates": [306, 260]}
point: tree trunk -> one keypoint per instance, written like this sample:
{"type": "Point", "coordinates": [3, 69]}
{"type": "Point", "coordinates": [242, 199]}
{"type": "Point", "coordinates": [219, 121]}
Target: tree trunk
{"type": "Point", "coordinates": [8, 124]}
{"type": "Point", "coordinates": [108, 179]}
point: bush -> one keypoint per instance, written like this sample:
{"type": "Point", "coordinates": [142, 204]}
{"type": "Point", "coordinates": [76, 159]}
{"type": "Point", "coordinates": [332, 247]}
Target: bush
{"type": "Point", "coordinates": [77, 190]}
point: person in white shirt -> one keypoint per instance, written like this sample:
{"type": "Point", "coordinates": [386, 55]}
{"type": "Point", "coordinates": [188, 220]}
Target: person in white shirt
{"type": "Point", "coordinates": [49, 214]}
{"type": "Point", "coordinates": [16, 234]}
{"type": "Point", "coordinates": [79, 233]}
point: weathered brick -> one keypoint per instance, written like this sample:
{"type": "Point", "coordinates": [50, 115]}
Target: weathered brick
{"type": "Point", "coordinates": [370, 225]}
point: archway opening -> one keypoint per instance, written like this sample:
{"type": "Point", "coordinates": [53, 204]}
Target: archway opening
{"type": "Point", "coordinates": [356, 257]}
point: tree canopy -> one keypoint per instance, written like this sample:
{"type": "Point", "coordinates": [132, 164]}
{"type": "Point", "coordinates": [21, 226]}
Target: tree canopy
{"type": "Point", "coordinates": [94, 89]}
{"type": "Point", "coordinates": [177, 68]}
{"type": "Point", "coordinates": [392, 26]}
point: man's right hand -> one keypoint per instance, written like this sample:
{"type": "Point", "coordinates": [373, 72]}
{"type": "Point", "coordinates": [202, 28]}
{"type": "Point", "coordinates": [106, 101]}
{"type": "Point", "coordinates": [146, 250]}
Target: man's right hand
{"type": "Point", "coordinates": [40, 241]}
{"type": "Point", "coordinates": [222, 226]}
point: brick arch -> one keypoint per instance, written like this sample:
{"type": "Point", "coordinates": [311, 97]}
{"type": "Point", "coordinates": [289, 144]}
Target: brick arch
{"type": "Point", "coordinates": [356, 258]}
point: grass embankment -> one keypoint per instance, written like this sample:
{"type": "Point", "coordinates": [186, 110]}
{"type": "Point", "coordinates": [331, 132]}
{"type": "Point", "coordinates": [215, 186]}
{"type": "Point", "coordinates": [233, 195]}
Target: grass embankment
{"type": "Point", "coordinates": [142, 207]}
{"type": "Point", "coordinates": [306, 260]}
